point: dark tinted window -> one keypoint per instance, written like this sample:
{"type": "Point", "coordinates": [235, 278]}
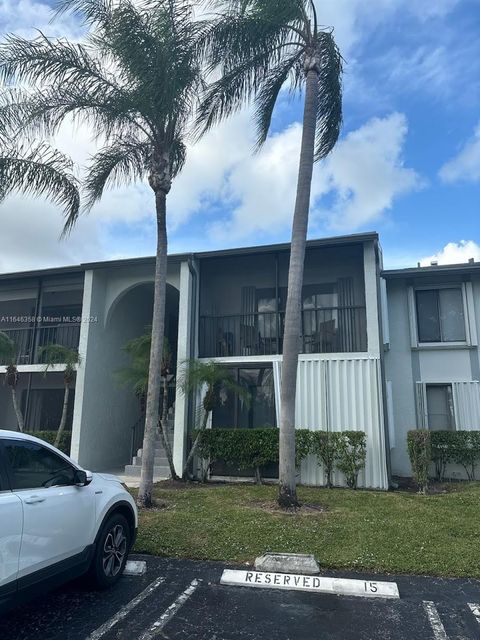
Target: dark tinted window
{"type": "Point", "coordinates": [440, 315]}
{"type": "Point", "coordinates": [33, 466]}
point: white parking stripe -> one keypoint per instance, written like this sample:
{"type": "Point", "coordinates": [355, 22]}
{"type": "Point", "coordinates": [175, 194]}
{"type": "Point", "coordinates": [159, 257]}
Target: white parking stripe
{"type": "Point", "coordinates": [475, 609]}
{"type": "Point", "coordinates": [434, 619]}
{"type": "Point", "coordinates": [171, 611]}
{"type": "Point", "coordinates": [124, 611]}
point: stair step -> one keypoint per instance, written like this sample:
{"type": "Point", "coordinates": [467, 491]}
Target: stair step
{"type": "Point", "coordinates": [158, 472]}
{"type": "Point", "coordinates": [159, 461]}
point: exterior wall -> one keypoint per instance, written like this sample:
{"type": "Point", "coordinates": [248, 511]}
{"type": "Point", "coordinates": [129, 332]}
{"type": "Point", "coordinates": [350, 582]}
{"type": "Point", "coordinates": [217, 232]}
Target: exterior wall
{"type": "Point", "coordinates": [119, 302]}
{"type": "Point", "coordinates": [337, 391]}
{"type": "Point", "coordinates": [408, 364]}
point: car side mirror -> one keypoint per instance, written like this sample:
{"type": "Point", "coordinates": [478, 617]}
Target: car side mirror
{"type": "Point", "coordinates": [82, 478]}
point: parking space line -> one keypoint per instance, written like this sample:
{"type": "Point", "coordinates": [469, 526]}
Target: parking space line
{"type": "Point", "coordinates": [475, 609]}
{"type": "Point", "coordinates": [171, 611]}
{"type": "Point", "coordinates": [124, 611]}
{"type": "Point", "coordinates": [434, 619]}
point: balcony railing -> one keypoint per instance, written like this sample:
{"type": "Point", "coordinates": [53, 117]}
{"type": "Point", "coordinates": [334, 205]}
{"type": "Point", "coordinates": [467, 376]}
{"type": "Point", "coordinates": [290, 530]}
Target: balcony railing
{"type": "Point", "coordinates": [325, 330]}
{"type": "Point", "coordinates": [28, 341]}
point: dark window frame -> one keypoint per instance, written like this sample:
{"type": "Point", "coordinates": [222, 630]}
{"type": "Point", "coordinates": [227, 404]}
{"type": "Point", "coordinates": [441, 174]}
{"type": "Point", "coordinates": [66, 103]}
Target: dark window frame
{"type": "Point", "coordinates": [237, 368]}
{"type": "Point", "coordinates": [437, 290]}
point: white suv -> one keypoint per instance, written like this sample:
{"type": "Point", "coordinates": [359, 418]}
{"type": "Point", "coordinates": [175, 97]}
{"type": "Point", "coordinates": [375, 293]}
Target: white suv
{"type": "Point", "coordinates": [58, 521]}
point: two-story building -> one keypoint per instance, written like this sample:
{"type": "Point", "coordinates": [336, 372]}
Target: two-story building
{"type": "Point", "coordinates": [370, 360]}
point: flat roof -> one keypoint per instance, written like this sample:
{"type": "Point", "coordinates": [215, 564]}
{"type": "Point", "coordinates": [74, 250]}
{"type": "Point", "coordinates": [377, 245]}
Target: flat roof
{"type": "Point", "coordinates": [440, 269]}
{"type": "Point", "coordinates": [180, 257]}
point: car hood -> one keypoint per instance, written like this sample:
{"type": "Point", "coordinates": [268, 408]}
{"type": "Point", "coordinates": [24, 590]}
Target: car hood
{"type": "Point", "coordinates": [107, 476]}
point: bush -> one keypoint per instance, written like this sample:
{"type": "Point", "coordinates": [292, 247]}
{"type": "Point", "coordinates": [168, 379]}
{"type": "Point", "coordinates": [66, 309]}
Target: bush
{"type": "Point", "coordinates": [442, 445]}
{"type": "Point", "coordinates": [419, 451]}
{"type": "Point", "coordinates": [459, 447]}
{"type": "Point", "coordinates": [49, 436]}
{"type": "Point", "coordinates": [351, 456]}
{"type": "Point", "coordinates": [248, 448]}
{"type": "Point", "coordinates": [325, 447]}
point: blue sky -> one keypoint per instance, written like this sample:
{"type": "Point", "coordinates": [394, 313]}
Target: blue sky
{"type": "Point", "coordinates": [407, 164]}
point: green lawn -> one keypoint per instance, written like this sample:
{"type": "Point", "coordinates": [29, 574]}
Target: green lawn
{"type": "Point", "coordinates": [366, 530]}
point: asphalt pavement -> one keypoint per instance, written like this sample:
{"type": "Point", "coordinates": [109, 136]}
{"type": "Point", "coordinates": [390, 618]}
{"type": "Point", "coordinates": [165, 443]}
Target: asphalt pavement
{"type": "Point", "coordinates": [183, 600]}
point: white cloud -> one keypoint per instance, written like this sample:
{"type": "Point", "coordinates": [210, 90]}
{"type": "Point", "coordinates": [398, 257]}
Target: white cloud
{"type": "Point", "coordinates": [26, 17]}
{"type": "Point", "coordinates": [366, 173]}
{"type": "Point", "coordinates": [361, 178]}
{"type": "Point", "coordinates": [466, 164]}
{"type": "Point", "coordinates": [454, 253]}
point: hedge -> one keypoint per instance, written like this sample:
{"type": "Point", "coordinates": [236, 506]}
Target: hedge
{"type": "Point", "coordinates": [49, 436]}
{"type": "Point", "coordinates": [256, 448]}
{"type": "Point", "coordinates": [442, 448]}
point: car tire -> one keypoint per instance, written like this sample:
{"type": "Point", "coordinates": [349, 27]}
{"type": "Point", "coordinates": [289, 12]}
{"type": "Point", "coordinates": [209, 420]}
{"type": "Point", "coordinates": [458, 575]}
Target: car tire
{"type": "Point", "coordinates": [111, 552]}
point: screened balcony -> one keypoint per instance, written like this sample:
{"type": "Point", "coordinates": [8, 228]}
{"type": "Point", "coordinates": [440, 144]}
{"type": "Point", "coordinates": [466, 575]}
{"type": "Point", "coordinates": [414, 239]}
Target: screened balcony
{"type": "Point", "coordinates": [243, 300]}
{"type": "Point", "coordinates": [34, 314]}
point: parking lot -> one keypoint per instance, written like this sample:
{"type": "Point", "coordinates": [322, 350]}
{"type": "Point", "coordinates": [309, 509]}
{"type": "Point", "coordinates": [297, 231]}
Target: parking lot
{"type": "Point", "coordinates": [180, 600]}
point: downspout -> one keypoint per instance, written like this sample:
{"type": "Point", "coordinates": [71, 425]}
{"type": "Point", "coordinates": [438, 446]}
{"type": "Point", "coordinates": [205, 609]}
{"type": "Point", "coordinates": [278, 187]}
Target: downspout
{"type": "Point", "coordinates": [193, 337]}
{"type": "Point", "coordinates": [33, 342]}
{"type": "Point", "coordinates": [383, 374]}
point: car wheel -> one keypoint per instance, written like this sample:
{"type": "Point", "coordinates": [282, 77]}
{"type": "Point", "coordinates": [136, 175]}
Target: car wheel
{"type": "Point", "coordinates": [111, 552]}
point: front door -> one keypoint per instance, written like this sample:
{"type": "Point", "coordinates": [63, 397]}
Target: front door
{"type": "Point", "coordinates": [59, 517]}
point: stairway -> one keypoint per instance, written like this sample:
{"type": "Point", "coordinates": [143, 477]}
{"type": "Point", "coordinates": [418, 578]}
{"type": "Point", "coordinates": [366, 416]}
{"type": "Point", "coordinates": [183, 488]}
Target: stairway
{"type": "Point", "coordinates": [161, 470]}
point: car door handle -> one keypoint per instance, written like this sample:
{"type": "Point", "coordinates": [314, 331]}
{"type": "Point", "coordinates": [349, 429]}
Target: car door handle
{"type": "Point", "coordinates": [34, 499]}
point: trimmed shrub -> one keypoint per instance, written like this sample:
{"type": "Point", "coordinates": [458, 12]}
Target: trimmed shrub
{"type": "Point", "coordinates": [458, 447]}
{"type": "Point", "coordinates": [303, 445]}
{"type": "Point", "coordinates": [419, 451]}
{"type": "Point", "coordinates": [325, 447]}
{"type": "Point", "coordinates": [247, 448]}
{"type": "Point", "coordinates": [49, 436]}
{"type": "Point", "coordinates": [351, 456]}
{"type": "Point", "coordinates": [442, 444]}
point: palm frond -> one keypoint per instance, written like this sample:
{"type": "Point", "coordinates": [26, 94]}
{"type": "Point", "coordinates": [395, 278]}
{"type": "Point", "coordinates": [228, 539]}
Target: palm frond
{"type": "Point", "coordinates": [53, 354]}
{"type": "Point", "coordinates": [267, 96]}
{"type": "Point", "coordinates": [122, 162]}
{"type": "Point", "coordinates": [329, 112]}
{"type": "Point", "coordinates": [92, 11]}
{"type": "Point", "coordinates": [42, 172]}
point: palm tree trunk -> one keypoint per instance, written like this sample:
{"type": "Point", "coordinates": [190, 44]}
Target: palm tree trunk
{"type": "Point", "coordinates": [287, 496]}
{"type": "Point", "coordinates": [144, 498]}
{"type": "Point", "coordinates": [164, 434]}
{"type": "Point", "coordinates": [195, 445]}
{"type": "Point", "coordinates": [63, 421]}
{"type": "Point", "coordinates": [18, 413]}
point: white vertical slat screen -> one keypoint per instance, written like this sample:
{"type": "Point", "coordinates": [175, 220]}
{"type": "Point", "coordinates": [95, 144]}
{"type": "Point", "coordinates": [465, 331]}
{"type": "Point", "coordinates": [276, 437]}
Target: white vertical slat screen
{"type": "Point", "coordinates": [341, 394]}
{"type": "Point", "coordinates": [466, 398]}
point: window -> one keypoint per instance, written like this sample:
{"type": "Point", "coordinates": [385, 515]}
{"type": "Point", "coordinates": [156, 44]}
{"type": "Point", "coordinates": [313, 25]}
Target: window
{"type": "Point", "coordinates": [235, 412]}
{"type": "Point", "coordinates": [33, 466]}
{"type": "Point", "coordinates": [440, 412]}
{"type": "Point", "coordinates": [440, 315]}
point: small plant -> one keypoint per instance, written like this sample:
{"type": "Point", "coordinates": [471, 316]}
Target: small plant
{"type": "Point", "coordinates": [325, 447]}
{"type": "Point", "coordinates": [303, 445]}
{"type": "Point", "coordinates": [420, 453]}
{"type": "Point", "coordinates": [352, 453]}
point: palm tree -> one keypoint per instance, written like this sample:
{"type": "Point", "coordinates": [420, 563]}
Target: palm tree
{"type": "Point", "coordinates": [259, 46]}
{"type": "Point", "coordinates": [136, 82]}
{"type": "Point", "coordinates": [57, 354]}
{"type": "Point", "coordinates": [39, 171]}
{"type": "Point", "coordinates": [135, 375]}
{"type": "Point", "coordinates": [8, 356]}
{"type": "Point", "coordinates": [209, 379]}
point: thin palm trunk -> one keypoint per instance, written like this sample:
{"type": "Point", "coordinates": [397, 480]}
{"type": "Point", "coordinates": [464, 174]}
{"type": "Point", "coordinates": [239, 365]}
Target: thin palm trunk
{"type": "Point", "coordinates": [293, 317]}
{"type": "Point", "coordinates": [193, 450]}
{"type": "Point", "coordinates": [164, 433]}
{"type": "Point", "coordinates": [154, 373]}
{"type": "Point", "coordinates": [18, 412]}
{"type": "Point", "coordinates": [63, 420]}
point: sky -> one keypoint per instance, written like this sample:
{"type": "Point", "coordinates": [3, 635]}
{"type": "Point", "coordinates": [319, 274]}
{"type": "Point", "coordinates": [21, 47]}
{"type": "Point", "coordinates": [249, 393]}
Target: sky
{"type": "Point", "coordinates": [407, 164]}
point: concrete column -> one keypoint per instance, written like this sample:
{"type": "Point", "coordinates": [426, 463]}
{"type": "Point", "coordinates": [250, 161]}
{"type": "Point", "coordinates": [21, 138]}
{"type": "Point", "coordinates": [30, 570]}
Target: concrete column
{"type": "Point", "coordinates": [80, 377]}
{"type": "Point", "coordinates": [372, 302]}
{"type": "Point", "coordinates": [186, 303]}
